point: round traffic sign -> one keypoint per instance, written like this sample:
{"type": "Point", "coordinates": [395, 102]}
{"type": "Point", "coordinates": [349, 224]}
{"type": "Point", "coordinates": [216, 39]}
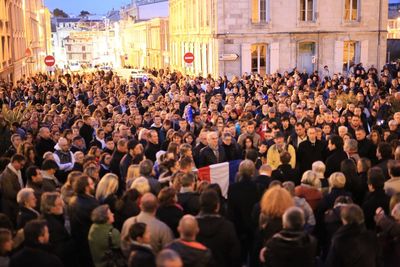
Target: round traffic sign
{"type": "Point", "coordinates": [49, 61]}
{"type": "Point", "coordinates": [188, 58]}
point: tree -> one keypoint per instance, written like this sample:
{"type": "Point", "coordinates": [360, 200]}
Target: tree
{"type": "Point", "coordinates": [59, 13]}
{"type": "Point", "coordinates": [84, 13]}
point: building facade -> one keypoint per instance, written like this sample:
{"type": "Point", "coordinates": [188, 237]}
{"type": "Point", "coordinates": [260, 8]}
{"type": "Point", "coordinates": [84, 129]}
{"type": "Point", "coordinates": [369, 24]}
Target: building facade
{"type": "Point", "coordinates": [144, 34]}
{"type": "Point", "coordinates": [394, 21]}
{"type": "Point", "coordinates": [25, 36]}
{"type": "Point", "coordinates": [265, 36]}
{"type": "Point", "coordinates": [145, 43]}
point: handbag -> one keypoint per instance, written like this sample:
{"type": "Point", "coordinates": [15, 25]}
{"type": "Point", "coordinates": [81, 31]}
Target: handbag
{"type": "Point", "coordinates": [114, 256]}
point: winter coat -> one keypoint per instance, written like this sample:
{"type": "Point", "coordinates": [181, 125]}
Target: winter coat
{"type": "Point", "coordinates": [219, 235]}
{"type": "Point", "coordinates": [98, 238]}
{"type": "Point", "coordinates": [290, 248]}
{"type": "Point", "coordinates": [193, 254]}
{"type": "Point", "coordinates": [35, 256]}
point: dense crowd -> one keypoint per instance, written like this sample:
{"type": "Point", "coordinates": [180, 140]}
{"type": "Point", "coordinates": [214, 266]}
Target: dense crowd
{"type": "Point", "coordinates": [100, 171]}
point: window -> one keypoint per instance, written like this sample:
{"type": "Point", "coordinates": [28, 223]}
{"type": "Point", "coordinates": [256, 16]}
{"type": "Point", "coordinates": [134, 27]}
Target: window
{"type": "Point", "coordinates": [351, 10]}
{"type": "Point", "coordinates": [83, 48]}
{"type": "Point", "coordinates": [84, 56]}
{"type": "Point", "coordinates": [259, 11]}
{"type": "Point", "coordinates": [259, 58]}
{"type": "Point", "coordinates": [351, 54]}
{"type": "Point", "coordinates": [307, 10]}
{"type": "Point", "coordinates": [69, 47]}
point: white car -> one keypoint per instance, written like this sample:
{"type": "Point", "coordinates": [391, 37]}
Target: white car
{"type": "Point", "coordinates": [74, 66]}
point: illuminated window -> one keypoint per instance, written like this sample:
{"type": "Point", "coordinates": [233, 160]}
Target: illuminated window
{"type": "Point", "coordinates": [351, 54]}
{"type": "Point", "coordinates": [260, 11]}
{"type": "Point", "coordinates": [259, 58]}
{"type": "Point", "coordinates": [307, 10]}
{"type": "Point", "coordinates": [351, 10]}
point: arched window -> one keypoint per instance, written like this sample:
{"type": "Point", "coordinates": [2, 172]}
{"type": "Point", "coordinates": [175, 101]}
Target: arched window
{"type": "Point", "coordinates": [259, 58]}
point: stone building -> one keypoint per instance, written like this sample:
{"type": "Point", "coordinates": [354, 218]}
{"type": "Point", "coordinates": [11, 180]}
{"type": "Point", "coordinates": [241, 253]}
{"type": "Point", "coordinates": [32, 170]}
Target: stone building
{"type": "Point", "coordinates": [234, 37]}
{"type": "Point", "coordinates": [25, 38]}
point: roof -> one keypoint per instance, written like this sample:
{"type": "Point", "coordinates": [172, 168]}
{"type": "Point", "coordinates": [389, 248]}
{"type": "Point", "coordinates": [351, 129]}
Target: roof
{"type": "Point", "coordinates": [148, 2]}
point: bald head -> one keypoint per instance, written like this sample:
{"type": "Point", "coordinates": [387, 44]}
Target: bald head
{"type": "Point", "coordinates": [149, 203]}
{"type": "Point", "coordinates": [63, 144]}
{"type": "Point", "coordinates": [265, 170]}
{"type": "Point", "coordinates": [188, 227]}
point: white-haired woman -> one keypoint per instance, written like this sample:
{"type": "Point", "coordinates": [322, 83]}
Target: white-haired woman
{"type": "Point", "coordinates": [310, 189]}
{"type": "Point", "coordinates": [319, 168]}
{"type": "Point", "coordinates": [27, 203]}
{"type": "Point", "coordinates": [107, 189]}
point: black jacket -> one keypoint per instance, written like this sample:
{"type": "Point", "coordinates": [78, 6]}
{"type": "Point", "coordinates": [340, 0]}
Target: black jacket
{"type": "Point", "coordinates": [242, 196]}
{"type": "Point", "coordinates": [60, 240]}
{"type": "Point", "coordinates": [115, 162]}
{"type": "Point", "coordinates": [170, 215]}
{"type": "Point", "coordinates": [291, 248]}
{"type": "Point", "coordinates": [43, 146]}
{"type": "Point", "coordinates": [366, 149]}
{"type": "Point", "coordinates": [333, 161]}
{"type": "Point", "coordinates": [383, 164]}
{"type": "Point", "coordinates": [36, 256]}
{"type": "Point", "coordinates": [141, 256]}
{"type": "Point", "coordinates": [87, 132]}
{"type": "Point", "coordinates": [196, 153]}
{"type": "Point", "coordinates": [190, 202]}
{"type": "Point", "coordinates": [308, 153]}
{"type": "Point", "coordinates": [193, 254]}
{"type": "Point", "coordinates": [79, 209]}
{"type": "Point", "coordinates": [262, 182]}
{"type": "Point", "coordinates": [354, 246]}
{"type": "Point", "coordinates": [374, 200]}
{"type": "Point", "coordinates": [284, 173]}
{"type": "Point", "coordinates": [219, 235]}
{"type": "Point", "coordinates": [151, 151]}
{"type": "Point", "coordinates": [207, 156]}
{"type": "Point", "coordinates": [232, 152]}
{"type": "Point", "coordinates": [25, 215]}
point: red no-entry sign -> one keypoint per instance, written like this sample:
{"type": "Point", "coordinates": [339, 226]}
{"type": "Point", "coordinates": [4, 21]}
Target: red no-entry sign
{"type": "Point", "coordinates": [49, 61]}
{"type": "Point", "coordinates": [188, 58]}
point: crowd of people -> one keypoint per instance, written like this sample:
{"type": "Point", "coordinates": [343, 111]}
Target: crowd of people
{"type": "Point", "coordinates": [100, 171]}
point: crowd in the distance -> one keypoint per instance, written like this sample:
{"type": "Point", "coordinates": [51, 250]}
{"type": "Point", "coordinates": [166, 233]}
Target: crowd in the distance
{"type": "Point", "coordinates": [99, 171]}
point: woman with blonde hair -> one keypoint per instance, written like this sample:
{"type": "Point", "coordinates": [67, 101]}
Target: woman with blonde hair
{"type": "Point", "coordinates": [107, 189]}
{"type": "Point", "coordinates": [142, 185]}
{"type": "Point", "coordinates": [310, 189]}
{"type": "Point", "coordinates": [132, 173]}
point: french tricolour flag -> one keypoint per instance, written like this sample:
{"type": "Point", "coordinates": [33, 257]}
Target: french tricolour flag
{"type": "Point", "coordinates": [222, 174]}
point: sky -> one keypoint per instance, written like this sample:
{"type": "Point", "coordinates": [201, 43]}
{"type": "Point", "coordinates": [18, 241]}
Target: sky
{"type": "Point", "coordinates": [93, 6]}
{"type": "Point", "coordinates": [96, 6]}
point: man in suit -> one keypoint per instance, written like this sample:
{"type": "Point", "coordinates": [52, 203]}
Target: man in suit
{"type": "Point", "coordinates": [309, 151]}
{"type": "Point", "coordinates": [213, 153]}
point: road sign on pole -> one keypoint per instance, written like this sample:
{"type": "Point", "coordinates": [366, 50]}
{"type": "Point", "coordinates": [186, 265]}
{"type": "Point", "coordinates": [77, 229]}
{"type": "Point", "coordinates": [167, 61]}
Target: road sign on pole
{"type": "Point", "coordinates": [49, 61]}
{"type": "Point", "coordinates": [188, 58]}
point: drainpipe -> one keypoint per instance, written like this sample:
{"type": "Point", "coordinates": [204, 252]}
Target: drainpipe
{"type": "Point", "coordinates": [379, 34]}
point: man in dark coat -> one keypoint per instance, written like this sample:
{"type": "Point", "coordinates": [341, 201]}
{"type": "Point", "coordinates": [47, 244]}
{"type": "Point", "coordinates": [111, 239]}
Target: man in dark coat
{"type": "Point", "coordinates": [242, 196]}
{"type": "Point", "coordinates": [217, 233]}
{"type": "Point", "coordinates": [80, 208]}
{"type": "Point", "coordinates": [291, 246]}
{"type": "Point", "coordinates": [152, 146]}
{"type": "Point", "coordinates": [36, 251]}
{"type": "Point", "coordinates": [116, 157]}
{"type": "Point", "coordinates": [335, 146]}
{"type": "Point", "coordinates": [366, 149]}
{"type": "Point", "coordinates": [193, 253]}
{"type": "Point", "coordinates": [376, 197]}
{"type": "Point", "coordinates": [384, 154]}
{"type": "Point", "coordinates": [10, 183]}
{"type": "Point", "coordinates": [87, 131]}
{"type": "Point", "coordinates": [352, 244]}
{"type": "Point", "coordinates": [44, 144]}
{"type": "Point", "coordinates": [213, 153]}
{"type": "Point", "coordinates": [202, 144]}
{"type": "Point", "coordinates": [232, 149]}
{"type": "Point", "coordinates": [263, 179]}
{"type": "Point", "coordinates": [309, 151]}
{"type": "Point", "coordinates": [188, 198]}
